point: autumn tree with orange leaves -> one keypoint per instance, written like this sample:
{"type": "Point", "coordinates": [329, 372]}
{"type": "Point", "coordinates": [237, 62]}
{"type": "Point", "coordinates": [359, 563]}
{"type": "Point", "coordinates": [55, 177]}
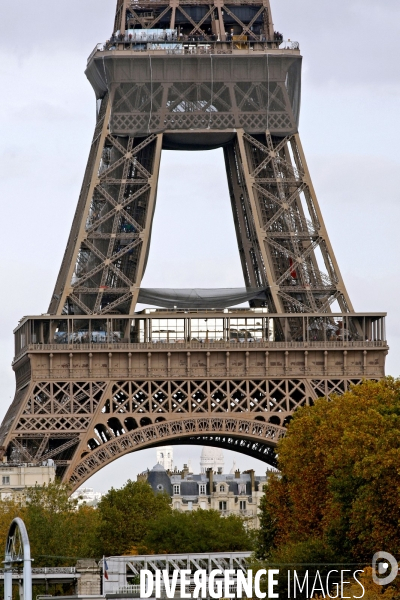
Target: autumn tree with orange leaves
{"type": "Point", "coordinates": [338, 490]}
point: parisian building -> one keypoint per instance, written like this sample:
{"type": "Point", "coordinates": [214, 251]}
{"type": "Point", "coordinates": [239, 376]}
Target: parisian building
{"type": "Point", "coordinates": [15, 478]}
{"type": "Point", "coordinates": [234, 493]}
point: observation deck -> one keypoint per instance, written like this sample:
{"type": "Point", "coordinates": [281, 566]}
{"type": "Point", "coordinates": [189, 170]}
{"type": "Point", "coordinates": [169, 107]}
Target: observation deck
{"type": "Point", "coordinates": [184, 67]}
{"type": "Point", "coordinates": [201, 343]}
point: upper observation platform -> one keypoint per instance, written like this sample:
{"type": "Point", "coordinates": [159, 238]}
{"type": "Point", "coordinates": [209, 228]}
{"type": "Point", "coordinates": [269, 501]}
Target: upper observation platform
{"type": "Point", "coordinates": [182, 67]}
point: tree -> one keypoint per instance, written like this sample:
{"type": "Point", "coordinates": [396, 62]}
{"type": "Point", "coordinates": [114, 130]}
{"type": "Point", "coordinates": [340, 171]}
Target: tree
{"type": "Point", "coordinates": [340, 476]}
{"type": "Point", "coordinates": [9, 509]}
{"type": "Point", "coordinates": [59, 530]}
{"type": "Point", "coordinates": [125, 516]}
{"type": "Point", "coordinates": [197, 531]}
{"type": "Point", "coordinates": [373, 591]}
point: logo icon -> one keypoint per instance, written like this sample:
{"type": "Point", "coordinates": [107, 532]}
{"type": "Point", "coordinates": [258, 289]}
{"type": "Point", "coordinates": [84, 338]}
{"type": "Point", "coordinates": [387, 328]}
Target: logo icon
{"type": "Point", "coordinates": [381, 562]}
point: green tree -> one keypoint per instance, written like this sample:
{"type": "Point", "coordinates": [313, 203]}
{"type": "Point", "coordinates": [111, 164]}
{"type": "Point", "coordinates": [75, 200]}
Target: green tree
{"type": "Point", "coordinates": [340, 476]}
{"type": "Point", "coordinates": [197, 531]}
{"type": "Point", "coordinates": [125, 516]}
{"type": "Point", "coordinates": [60, 532]}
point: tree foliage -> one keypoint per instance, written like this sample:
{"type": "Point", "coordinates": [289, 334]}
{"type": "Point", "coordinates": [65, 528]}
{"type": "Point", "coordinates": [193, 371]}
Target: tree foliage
{"type": "Point", "coordinates": [373, 591]}
{"type": "Point", "coordinates": [340, 476]}
{"type": "Point", "coordinates": [126, 521]}
{"type": "Point", "coordinates": [59, 531]}
{"type": "Point", "coordinates": [197, 531]}
{"type": "Point", "coordinates": [125, 516]}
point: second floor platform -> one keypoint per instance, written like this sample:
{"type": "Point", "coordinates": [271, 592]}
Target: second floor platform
{"type": "Point", "coordinates": [199, 329]}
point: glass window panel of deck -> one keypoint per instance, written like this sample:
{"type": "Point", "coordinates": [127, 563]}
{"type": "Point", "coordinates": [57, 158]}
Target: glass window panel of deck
{"type": "Point", "coordinates": [167, 330]}
{"type": "Point", "coordinates": [80, 332]}
{"type": "Point", "coordinates": [98, 333]}
{"type": "Point", "coordinates": [59, 331]}
{"type": "Point", "coordinates": [247, 329]}
{"type": "Point", "coordinates": [207, 330]}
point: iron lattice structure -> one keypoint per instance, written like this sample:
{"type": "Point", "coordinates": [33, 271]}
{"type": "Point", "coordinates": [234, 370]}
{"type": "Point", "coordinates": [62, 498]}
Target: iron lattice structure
{"type": "Point", "coordinates": [95, 379]}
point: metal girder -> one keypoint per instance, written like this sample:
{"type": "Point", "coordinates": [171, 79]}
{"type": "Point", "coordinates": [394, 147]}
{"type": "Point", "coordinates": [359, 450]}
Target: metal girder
{"type": "Point", "coordinates": [276, 192]}
{"type": "Point", "coordinates": [246, 28]}
{"type": "Point", "coordinates": [196, 26]}
{"type": "Point", "coordinates": [114, 228]}
{"type": "Point", "coordinates": [22, 450]}
{"type": "Point", "coordinates": [200, 23]}
{"type": "Point", "coordinates": [69, 444]}
{"type": "Point", "coordinates": [121, 568]}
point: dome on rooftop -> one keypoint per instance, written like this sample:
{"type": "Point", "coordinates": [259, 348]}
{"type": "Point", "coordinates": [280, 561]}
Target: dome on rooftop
{"type": "Point", "coordinates": [158, 467]}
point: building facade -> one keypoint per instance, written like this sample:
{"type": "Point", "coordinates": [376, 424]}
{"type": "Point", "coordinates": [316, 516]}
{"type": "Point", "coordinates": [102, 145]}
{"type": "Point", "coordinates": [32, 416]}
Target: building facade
{"type": "Point", "coordinates": [15, 478]}
{"type": "Point", "coordinates": [234, 493]}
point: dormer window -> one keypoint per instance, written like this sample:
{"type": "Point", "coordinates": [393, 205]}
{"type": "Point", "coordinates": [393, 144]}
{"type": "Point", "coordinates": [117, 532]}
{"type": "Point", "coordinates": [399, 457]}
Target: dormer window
{"type": "Point", "coordinates": [222, 488]}
{"type": "Point", "coordinates": [177, 490]}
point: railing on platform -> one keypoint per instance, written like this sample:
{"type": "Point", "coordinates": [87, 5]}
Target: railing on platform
{"type": "Point", "coordinates": [45, 570]}
{"type": "Point", "coordinates": [195, 46]}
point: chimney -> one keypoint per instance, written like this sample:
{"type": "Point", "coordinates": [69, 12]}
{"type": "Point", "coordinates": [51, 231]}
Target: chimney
{"type": "Point", "coordinates": [210, 477]}
{"type": "Point", "coordinates": [185, 471]}
{"type": "Point", "coordinates": [237, 474]}
{"type": "Point", "coordinates": [219, 470]}
{"type": "Point", "coordinates": [252, 480]}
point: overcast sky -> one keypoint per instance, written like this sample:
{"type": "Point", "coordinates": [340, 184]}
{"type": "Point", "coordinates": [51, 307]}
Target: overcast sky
{"type": "Point", "coordinates": [349, 128]}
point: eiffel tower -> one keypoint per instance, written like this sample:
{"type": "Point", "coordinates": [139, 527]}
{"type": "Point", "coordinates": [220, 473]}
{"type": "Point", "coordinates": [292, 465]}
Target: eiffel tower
{"type": "Point", "coordinates": [96, 380]}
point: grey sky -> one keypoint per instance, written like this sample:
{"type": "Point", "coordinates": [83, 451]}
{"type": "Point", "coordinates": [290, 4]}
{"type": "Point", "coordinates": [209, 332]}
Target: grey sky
{"type": "Point", "coordinates": [349, 128]}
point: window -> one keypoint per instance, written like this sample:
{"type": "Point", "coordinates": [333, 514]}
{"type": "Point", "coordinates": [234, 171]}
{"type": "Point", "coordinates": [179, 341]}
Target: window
{"type": "Point", "coordinates": [222, 506]}
{"type": "Point", "coordinates": [177, 490]}
{"type": "Point", "coordinates": [204, 330]}
{"type": "Point", "coordinates": [242, 504]}
{"type": "Point", "coordinates": [203, 489]}
{"type": "Point", "coordinates": [222, 488]}
{"type": "Point", "coordinates": [246, 329]}
{"type": "Point", "coordinates": [6, 480]}
{"type": "Point", "coordinates": [242, 488]}
{"type": "Point", "coordinates": [167, 330]}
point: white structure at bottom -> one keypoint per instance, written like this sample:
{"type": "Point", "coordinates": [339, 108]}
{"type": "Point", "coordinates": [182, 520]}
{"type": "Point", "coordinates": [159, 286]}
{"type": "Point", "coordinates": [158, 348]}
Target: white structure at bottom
{"type": "Point", "coordinates": [87, 495]}
{"type": "Point", "coordinates": [165, 457]}
{"type": "Point", "coordinates": [122, 570]}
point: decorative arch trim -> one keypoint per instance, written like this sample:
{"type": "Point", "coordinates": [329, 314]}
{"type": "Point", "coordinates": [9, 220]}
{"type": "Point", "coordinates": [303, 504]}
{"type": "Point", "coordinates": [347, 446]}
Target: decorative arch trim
{"type": "Point", "coordinates": [257, 434]}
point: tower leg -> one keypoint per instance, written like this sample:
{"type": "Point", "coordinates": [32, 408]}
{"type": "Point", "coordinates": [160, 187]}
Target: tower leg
{"type": "Point", "coordinates": [283, 242]}
{"type": "Point", "coordinates": [109, 243]}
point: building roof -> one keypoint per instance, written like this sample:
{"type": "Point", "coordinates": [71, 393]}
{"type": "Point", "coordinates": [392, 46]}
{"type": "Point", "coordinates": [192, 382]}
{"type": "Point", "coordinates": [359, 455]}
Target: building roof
{"type": "Point", "coordinates": [158, 467]}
